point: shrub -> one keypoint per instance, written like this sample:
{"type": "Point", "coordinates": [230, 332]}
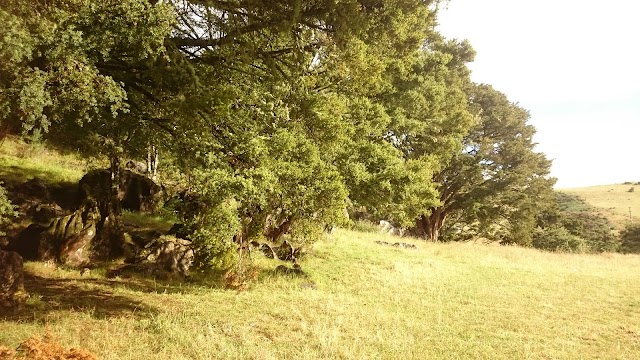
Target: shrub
{"type": "Point", "coordinates": [7, 210]}
{"type": "Point", "coordinates": [558, 238]}
{"type": "Point", "coordinates": [365, 226]}
{"type": "Point", "coordinates": [595, 229]}
{"type": "Point", "coordinates": [630, 239]}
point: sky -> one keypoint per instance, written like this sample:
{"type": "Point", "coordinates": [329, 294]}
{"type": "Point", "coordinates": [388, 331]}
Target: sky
{"type": "Point", "coordinates": [575, 65]}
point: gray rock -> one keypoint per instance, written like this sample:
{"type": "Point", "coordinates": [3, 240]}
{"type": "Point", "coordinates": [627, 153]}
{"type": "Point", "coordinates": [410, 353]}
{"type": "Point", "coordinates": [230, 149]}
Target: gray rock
{"type": "Point", "coordinates": [11, 279]}
{"type": "Point", "coordinates": [167, 254]}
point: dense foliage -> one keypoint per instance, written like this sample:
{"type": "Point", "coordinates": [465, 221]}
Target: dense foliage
{"type": "Point", "coordinates": [277, 116]}
{"type": "Point", "coordinates": [571, 225]}
{"type": "Point", "coordinates": [630, 239]}
{"type": "Point", "coordinates": [497, 184]}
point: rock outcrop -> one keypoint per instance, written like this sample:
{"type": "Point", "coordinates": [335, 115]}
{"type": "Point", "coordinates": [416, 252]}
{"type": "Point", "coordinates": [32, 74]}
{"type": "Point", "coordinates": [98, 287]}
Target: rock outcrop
{"type": "Point", "coordinates": [136, 192]}
{"type": "Point", "coordinates": [165, 255]}
{"type": "Point", "coordinates": [11, 279]}
{"type": "Point", "coordinates": [69, 239]}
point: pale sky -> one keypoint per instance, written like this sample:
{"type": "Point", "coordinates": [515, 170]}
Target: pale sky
{"type": "Point", "coordinates": [575, 65]}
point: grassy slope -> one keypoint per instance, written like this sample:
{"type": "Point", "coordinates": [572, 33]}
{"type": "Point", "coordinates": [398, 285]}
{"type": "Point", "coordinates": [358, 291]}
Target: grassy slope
{"type": "Point", "coordinates": [370, 301]}
{"type": "Point", "coordinates": [361, 300]}
{"type": "Point", "coordinates": [614, 201]}
{"type": "Point", "coordinates": [20, 162]}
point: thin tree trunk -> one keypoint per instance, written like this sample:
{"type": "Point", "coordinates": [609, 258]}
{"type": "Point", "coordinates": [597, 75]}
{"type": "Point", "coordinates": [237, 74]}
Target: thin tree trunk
{"type": "Point", "coordinates": [113, 207]}
{"type": "Point", "coordinates": [152, 162]}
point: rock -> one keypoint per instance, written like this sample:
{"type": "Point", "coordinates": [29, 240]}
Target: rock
{"type": "Point", "coordinates": [11, 279]}
{"type": "Point", "coordinates": [167, 254]}
{"type": "Point", "coordinates": [27, 242]}
{"type": "Point", "coordinates": [136, 166]}
{"type": "Point", "coordinates": [397, 244]}
{"type": "Point", "coordinates": [75, 250]}
{"type": "Point", "coordinates": [136, 192]}
{"type": "Point", "coordinates": [43, 213]}
{"type": "Point", "coordinates": [387, 228]}
{"type": "Point", "coordinates": [69, 239]}
{"type": "Point", "coordinates": [296, 270]}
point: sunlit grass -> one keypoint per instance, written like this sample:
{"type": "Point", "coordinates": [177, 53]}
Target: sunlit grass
{"type": "Point", "coordinates": [20, 162]}
{"type": "Point", "coordinates": [614, 201]}
{"type": "Point", "coordinates": [360, 300]}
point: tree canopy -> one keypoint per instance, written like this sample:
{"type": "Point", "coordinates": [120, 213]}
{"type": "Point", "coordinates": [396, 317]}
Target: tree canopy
{"type": "Point", "coordinates": [278, 114]}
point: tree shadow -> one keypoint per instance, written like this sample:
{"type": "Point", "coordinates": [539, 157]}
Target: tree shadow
{"type": "Point", "coordinates": [92, 296]}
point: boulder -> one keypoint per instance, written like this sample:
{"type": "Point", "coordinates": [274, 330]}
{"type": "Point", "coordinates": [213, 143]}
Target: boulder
{"type": "Point", "coordinates": [75, 250]}
{"type": "Point", "coordinates": [27, 242]}
{"type": "Point", "coordinates": [136, 192]}
{"type": "Point", "coordinates": [43, 213]}
{"type": "Point", "coordinates": [167, 254]}
{"type": "Point", "coordinates": [387, 228]}
{"type": "Point", "coordinates": [11, 279]}
{"type": "Point", "coordinates": [69, 239]}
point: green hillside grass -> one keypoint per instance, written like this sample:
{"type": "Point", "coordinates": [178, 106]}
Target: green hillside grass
{"type": "Point", "coordinates": [613, 201]}
{"type": "Point", "coordinates": [20, 162]}
{"type": "Point", "coordinates": [361, 300]}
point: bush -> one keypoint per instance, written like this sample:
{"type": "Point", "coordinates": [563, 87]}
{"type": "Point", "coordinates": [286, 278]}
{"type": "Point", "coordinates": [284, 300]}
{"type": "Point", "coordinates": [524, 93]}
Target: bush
{"type": "Point", "coordinates": [595, 229]}
{"type": "Point", "coordinates": [630, 239]}
{"type": "Point", "coordinates": [558, 239]}
{"type": "Point", "coordinates": [7, 210]}
{"type": "Point", "coordinates": [365, 226]}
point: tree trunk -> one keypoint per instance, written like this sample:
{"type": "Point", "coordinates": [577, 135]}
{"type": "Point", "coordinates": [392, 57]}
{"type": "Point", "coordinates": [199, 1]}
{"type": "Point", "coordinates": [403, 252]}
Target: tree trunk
{"type": "Point", "coordinates": [152, 162]}
{"type": "Point", "coordinates": [429, 226]}
{"type": "Point", "coordinates": [113, 206]}
{"type": "Point", "coordinates": [275, 233]}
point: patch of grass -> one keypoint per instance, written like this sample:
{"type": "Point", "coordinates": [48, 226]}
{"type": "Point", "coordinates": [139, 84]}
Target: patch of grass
{"type": "Point", "coordinates": [359, 300]}
{"type": "Point", "coordinates": [161, 221]}
{"type": "Point", "coordinates": [20, 162]}
{"type": "Point", "coordinates": [613, 201]}
{"type": "Point", "coordinates": [365, 226]}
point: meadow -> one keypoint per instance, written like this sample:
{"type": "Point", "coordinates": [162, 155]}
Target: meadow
{"type": "Point", "coordinates": [618, 202]}
{"type": "Point", "coordinates": [358, 300]}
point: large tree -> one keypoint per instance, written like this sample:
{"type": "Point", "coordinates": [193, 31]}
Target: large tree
{"type": "Point", "coordinates": [275, 111]}
{"type": "Point", "coordinates": [497, 184]}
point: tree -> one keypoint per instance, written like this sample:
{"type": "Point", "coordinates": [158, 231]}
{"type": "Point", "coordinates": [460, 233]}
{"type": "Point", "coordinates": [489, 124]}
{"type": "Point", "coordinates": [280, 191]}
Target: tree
{"type": "Point", "coordinates": [571, 214]}
{"type": "Point", "coordinates": [630, 237]}
{"type": "Point", "coordinates": [497, 184]}
{"type": "Point", "coordinates": [268, 108]}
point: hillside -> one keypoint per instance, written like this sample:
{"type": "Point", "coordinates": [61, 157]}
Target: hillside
{"type": "Point", "coordinates": [615, 202]}
{"type": "Point", "coordinates": [361, 300]}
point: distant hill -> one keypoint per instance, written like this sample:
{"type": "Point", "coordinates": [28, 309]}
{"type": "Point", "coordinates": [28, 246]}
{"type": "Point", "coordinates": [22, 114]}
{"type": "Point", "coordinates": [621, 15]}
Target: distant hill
{"type": "Point", "coordinates": [617, 202]}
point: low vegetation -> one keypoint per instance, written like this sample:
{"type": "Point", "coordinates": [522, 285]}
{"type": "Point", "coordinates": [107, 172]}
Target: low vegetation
{"type": "Point", "coordinates": [163, 160]}
{"type": "Point", "coordinates": [615, 201]}
{"type": "Point", "coordinates": [357, 300]}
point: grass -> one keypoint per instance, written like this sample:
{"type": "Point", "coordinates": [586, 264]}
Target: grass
{"type": "Point", "coordinates": [20, 162]}
{"type": "Point", "coordinates": [361, 300]}
{"type": "Point", "coordinates": [614, 201]}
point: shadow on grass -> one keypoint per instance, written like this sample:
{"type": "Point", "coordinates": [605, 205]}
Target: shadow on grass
{"type": "Point", "coordinates": [92, 296]}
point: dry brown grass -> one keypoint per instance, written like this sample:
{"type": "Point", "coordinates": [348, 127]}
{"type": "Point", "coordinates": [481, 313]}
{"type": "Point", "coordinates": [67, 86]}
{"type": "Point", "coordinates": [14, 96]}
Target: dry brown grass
{"type": "Point", "coordinates": [45, 348]}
